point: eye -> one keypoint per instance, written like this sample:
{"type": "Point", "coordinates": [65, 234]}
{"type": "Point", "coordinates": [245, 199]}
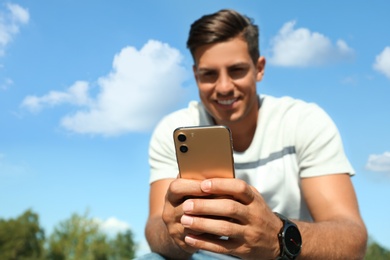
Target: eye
{"type": "Point", "coordinates": [209, 73]}
{"type": "Point", "coordinates": [207, 76]}
{"type": "Point", "coordinates": [237, 69]}
{"type": "Point", "coordinates": [237, 72]}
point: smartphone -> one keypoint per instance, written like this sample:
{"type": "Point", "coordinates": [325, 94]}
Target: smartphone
{"type": "Point", "coordinates": [204, 152]}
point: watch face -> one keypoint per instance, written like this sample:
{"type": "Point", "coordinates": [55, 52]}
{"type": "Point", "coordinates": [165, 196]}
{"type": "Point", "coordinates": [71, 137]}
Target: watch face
{"type": "Point", "coordinates": [293, 240]}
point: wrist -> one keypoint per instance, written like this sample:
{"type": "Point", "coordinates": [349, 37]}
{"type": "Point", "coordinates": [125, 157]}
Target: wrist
{"type": "Point", "coordinates": [290, 240]}
{"type": "Point", "coordinates": [278, 227]}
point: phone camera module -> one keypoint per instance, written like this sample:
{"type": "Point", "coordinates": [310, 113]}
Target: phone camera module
{"type": "Point", "coordinates": [181, 137]}
{"type": "Point", "coordinates": [183, 149]}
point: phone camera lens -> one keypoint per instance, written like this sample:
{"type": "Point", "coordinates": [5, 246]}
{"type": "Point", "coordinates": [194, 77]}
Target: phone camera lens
{"type": "Point", "coordinates": [181, 137]}
{"type": "Point", "coordinates": [183, 149]}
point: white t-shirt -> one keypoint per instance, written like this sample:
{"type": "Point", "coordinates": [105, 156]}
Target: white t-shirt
{"type": "Point", "coordinates": [293, 140]}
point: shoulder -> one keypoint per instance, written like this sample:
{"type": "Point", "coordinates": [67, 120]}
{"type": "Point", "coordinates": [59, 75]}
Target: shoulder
{"type": "Point", "coordinates": [291, 110]}
{"type": "Point", "coordinates": [194, 114]}
{"type": "Point", "coordinates": [162, 157]}
{"type": "Point", "coordinates": [285, 103]}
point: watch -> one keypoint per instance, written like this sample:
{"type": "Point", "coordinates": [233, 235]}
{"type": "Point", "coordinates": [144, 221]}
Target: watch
{"type": "Point", "coordinates": [290, 239]}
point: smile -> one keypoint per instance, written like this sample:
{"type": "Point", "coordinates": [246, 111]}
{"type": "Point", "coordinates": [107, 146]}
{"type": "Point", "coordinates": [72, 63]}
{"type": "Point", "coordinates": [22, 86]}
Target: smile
{"type": "Point", "coordinates": [227, 102]}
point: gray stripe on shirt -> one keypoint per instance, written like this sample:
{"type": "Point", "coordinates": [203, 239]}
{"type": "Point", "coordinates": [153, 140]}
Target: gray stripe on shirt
{"type": "Point", "coordinates": [273, 156]}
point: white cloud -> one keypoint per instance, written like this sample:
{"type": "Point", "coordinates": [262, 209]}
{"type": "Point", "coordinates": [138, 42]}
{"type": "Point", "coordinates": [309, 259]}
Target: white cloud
{"type": "Point", "coordinates": [18, 13]}
{"type": "Point", "coordinates": [301, 47]}
{"type": "Point", "coordinates": [112, 226]}
{"type": "Point", "coordinates": [76, 94]}
{"type": "Point", "coordinates": [142, 86]}
{"type": "Point", "coordinates": [10, 22]}
{"type": "Point", "coordinates": [382, 62]}
{"type": "Point", "coordinates": [379, 162]}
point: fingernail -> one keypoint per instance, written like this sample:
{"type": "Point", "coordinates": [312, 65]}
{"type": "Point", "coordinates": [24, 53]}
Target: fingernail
{"type": "Point", "coordinates": [186, 221]}
{"type": "Point", "coordinates": [206, 185]}
{"type": "Point", "coordinates": [188, 206]}
{"type": "Point", "coordinates": [189, 240]}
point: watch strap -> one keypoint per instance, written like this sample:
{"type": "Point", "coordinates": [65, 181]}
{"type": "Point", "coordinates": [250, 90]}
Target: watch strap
{"type": "Point", "coordinates": [284, 254]}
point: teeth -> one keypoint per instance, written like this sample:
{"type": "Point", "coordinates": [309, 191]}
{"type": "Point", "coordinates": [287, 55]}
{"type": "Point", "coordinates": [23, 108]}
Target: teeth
{"type": "Point", "coordinates": [226, 102]}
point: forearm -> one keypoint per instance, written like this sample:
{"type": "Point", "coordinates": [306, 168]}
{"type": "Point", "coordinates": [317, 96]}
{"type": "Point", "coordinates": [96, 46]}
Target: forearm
{"type": "Point", "coordinates": [161, 242]}
{"type": "Point", "coordinates": [339, 239]}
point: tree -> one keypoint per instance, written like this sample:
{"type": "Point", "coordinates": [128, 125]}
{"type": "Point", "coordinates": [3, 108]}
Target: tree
{"type": "Point", "coordinates": [80, 238]}
{"type": "Point", "coordinates": [21, 238]}
{"type": "Point", "coordinates": [123, 247]}
{"type": "Point", "coordinates": [376, 252]}
{"type": "Point", "coordinates": [77, 238]}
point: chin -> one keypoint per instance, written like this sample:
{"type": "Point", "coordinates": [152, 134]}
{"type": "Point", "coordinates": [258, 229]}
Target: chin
{"type": "Point", "coordinates": [227, 120]}
{"type": "Point", "coordinates": [224, 118]}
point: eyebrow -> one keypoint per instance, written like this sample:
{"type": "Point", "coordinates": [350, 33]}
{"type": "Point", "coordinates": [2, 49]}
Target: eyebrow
{"type": "Point", "coordinates": [238, 64]}
{"type": "Point", "coordinates": [202, 70]}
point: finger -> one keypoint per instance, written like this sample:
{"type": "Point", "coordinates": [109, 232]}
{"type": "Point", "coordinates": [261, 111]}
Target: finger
{"type": "Point", "coordinates": [217, 207]}
{"type": "Point", "coordinates": [220, 227]}
{"type": "Point", "coordinates": [211, 243]}
{"type": "Point", "coordinates": [180, 188]}
{"type": "Point", "coordinates": [238, 189]}
{"type": "Point", "coordinates": [186, 247]}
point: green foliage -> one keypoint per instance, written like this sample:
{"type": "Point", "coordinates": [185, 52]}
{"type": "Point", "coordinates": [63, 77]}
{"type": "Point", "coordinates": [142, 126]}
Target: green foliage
{"type": "Point", "coordinates": [376, 252]}
{"type": "Point", "coordinates": [77, 238]}
{"type": "Point", "coordinates": [80, 238]}
{"type": "Point", "coordinates": [123, 246]}
{"type": "Point", "coordinates": [21, 238]}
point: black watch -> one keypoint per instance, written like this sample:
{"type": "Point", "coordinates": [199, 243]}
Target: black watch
{"type": "Point", "coordinates": [290, 239]}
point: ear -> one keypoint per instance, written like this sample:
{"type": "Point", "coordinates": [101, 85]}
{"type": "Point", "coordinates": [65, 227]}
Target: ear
{"type": "Point", "coordinates": [260, 66]}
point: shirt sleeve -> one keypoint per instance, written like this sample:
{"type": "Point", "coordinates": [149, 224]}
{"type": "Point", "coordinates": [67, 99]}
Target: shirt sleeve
{"type": "Point", "coordinates": [162, 157]}
{"type": "Point", "coordinates": [319, 146]}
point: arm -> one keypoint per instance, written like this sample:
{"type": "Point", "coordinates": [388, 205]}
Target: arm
{"type": "Point", "coordinates": [163, 230]}
{"type": "Point", "coordinates": [338, 232]}
{"type": "Point", "coordinates": [156, 231]}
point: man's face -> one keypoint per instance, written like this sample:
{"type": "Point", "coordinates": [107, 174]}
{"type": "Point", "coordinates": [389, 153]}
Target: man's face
{"type": "Point", "coordinates": [226, 78]}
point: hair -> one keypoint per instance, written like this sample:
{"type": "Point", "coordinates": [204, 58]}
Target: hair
{"type": "Point", "coordinates": [223, 26]}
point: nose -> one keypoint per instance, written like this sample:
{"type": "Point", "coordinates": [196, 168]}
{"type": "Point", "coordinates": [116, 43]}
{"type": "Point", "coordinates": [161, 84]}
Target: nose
{"type": "Point", "coordinates": [225, 84]}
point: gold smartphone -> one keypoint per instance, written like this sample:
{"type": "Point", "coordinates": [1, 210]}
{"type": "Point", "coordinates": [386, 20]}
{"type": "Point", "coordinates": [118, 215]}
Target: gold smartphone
{"type": "Point", "coordinates": [204, 152]}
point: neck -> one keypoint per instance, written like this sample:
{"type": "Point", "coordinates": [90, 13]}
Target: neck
{"type": "Point", "coordinates": [244, 130]}
{"type": "Point", "coordinates": [243, 135]}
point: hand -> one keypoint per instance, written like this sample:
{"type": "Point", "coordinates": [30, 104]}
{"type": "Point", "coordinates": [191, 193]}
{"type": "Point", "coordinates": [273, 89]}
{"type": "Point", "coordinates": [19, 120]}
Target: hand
{"type": "Point", "coordinates": [178, 191]}
{"type": "Point", "coordinates": [241, 214]}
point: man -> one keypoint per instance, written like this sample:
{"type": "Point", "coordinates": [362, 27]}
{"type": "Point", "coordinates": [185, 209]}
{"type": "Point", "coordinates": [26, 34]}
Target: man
{"type": "Point", "coordinates": [288, 157]}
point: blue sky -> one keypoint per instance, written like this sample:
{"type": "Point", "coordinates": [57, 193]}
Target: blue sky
{"type": "Point", "coordinates": [83, 83]}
